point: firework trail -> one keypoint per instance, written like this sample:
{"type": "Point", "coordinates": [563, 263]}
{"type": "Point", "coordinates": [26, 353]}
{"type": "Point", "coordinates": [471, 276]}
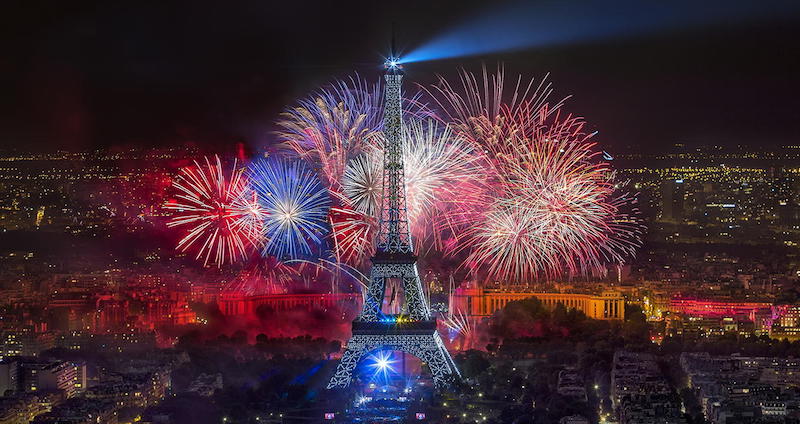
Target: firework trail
{"type": "Point", "coordinates": [267, 276]}
{"type": "Point", "coordinates": [294, 205]}
{"type": "Point", "coordinates": [459, 323]}
{"type": "Point", "coordinates": [555, 209]}
{"type": "Point", "coordinates": [212, 206]}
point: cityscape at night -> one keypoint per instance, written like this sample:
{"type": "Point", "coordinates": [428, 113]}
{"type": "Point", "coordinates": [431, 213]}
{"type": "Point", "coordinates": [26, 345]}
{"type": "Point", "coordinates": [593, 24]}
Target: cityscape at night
{"type": "Point", "coordinates": [573, 212]}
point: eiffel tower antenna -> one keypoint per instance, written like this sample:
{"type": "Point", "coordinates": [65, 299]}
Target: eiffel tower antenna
{"type": "Point", "coordinates": [394, 47]}
{"type": "Point", "coordinates": [413, 331]}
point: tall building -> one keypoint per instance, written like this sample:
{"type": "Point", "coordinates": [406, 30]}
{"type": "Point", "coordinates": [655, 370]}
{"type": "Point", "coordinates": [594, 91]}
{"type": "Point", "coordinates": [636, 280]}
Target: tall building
{"type": "Point", "coordinates": [403, 323]}
{"type": "Point", "coordinates": [30, 375]}
{"type": "Point", "coordinates": [673, 195]}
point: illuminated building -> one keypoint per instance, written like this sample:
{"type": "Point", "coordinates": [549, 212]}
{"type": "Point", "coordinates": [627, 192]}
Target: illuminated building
{"type": "Point", "coordinates": [136, 390]}
{"type": "Point", "coordinates": [708, 307]}
{"type": "Point", "coordinates": [788, 325]}
{"type": "Point", "coordinates": [29, 375]}
{"type": "Point", "coordinates": [111, 313]}
{"type": "Point", "coordinates": [475, 301]}
{"type": "Point", "coordinates": [66, 376]}
{"type": "Point", "coordinates": [672, 200]}
{"type": "Point", "coordinates": [640, 393]}
{"type": "Point", "coordinates": [704, 317]}
{"type": "Point", "coordinates": [240, 304]}
{"type": "Point", "coordinates": [24, 342]}
{"type": "Point", "coordinates": [394, 266]}
{"type": "Point", "coordinates": [23, 408]}
{"type": "Point", "coordinates": [122, 341]}
{"type": "Point", "coordinates": [159, 311]}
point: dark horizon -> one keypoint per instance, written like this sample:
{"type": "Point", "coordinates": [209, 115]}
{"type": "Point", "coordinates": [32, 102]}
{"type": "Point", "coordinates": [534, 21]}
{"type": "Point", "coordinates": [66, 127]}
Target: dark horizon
{"type": "Point", "coordinates": [88, 76]}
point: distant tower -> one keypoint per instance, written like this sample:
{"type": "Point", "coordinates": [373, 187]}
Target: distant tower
{"type": "Point", "coordinates": [413, 330]}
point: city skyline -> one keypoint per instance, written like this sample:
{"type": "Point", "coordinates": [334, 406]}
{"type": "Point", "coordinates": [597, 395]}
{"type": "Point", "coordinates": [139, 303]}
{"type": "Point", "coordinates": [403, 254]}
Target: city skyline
{"type": "Point", "coordinates": [511, 213]}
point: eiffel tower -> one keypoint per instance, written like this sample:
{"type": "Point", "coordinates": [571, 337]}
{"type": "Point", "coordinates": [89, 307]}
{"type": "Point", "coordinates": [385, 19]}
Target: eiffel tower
{"type": "Point", "coordinates": [413, 331]}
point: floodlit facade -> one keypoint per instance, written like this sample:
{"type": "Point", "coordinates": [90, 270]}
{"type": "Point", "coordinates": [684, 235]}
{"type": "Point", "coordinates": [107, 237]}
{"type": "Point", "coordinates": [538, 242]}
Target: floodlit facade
{"type": "Point", "coordinates": [609, 305]}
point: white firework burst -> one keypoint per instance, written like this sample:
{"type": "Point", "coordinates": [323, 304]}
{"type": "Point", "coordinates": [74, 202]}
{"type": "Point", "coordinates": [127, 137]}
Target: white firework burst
{"type": "Point", "coordinates": [362, 183]}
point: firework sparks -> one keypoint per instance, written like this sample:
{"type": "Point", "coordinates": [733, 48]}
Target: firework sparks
{"type": "Point", "coordinates": [501, 176]}
{"type": "Point", "coordinates": [445, 180]}
{"type": "Point", "coordinates": [362, 183]}
{"type": "Point", "coordinates": [459, 323]}
{"type": "Point", "coordinates": [353, 234]}
{"type": "Point", "coordinates": [337, 129]}
{"type": "Point", "coordinates": [330, 129]}
{"type": "Point", "coordinates": [268, 276]}
{"type": "Point", "coordinates": [294, 205]}
{"type": "Point", "coordinates": [334, 125]}
{"type": "Point", "coordinates": [212, 206]}
{"type": "Point", "coordinates": [554, 209]}
{"type": "Point", "coordinates": [443, 175]}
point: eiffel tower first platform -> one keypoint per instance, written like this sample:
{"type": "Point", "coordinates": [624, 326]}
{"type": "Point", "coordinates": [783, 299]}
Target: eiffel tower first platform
{"type": "Point", "coordinates": [413, 331]}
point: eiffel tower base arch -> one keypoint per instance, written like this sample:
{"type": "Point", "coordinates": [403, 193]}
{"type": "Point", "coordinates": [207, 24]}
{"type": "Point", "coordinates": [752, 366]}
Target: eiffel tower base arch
{"type": "Point", "coordinates": [429, 348]}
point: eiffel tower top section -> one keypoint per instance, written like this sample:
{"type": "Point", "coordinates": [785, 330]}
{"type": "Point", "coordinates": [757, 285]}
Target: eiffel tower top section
{"type": "Point", "coordinates": [394, 239]}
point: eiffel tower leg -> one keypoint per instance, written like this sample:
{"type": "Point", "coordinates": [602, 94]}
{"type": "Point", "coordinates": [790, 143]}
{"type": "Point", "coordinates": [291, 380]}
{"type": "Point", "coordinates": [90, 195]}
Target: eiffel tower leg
{"type": "Point", "coordinates": [374, 297]}
{"type": "Point", "coordinates": [431, 350]}
{"type": "Point", "coordinates": [454, 372]}
{"type": "Point", "coordinates": [344, 371]}
{"type": "Point", "coordinates": [415, 297]}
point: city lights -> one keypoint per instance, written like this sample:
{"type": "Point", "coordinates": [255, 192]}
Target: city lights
{"type": "Point", "coordinates": [261, 214]}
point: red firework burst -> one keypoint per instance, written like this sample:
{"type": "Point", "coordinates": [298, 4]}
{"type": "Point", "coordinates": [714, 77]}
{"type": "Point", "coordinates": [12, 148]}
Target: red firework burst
{"type": "Point", "coordinates": [217, 211]}
{"type": "Point", "coordinates": [555, 208]}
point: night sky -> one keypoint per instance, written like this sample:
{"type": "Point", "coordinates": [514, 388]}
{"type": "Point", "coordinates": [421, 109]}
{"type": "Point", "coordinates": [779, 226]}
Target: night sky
{"type": "Point", "coordinates": [79, 75]}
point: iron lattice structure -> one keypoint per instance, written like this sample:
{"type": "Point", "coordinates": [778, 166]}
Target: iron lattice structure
{"type": "Point", "coordinates": [394, 260]}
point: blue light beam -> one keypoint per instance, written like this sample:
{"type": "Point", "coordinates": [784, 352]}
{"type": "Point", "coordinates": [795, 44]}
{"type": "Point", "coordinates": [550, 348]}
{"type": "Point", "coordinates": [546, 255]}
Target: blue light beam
{"type": "Point", "coordinates": [523, 25]}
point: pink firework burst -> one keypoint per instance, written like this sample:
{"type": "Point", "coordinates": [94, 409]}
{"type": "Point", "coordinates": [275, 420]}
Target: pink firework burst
{"type": "Point", "coordinates": [217, 211]}
{"type": "Point", "coordinates": [555, 208]}
{"type": "Point", "coordinates": [444, 176]}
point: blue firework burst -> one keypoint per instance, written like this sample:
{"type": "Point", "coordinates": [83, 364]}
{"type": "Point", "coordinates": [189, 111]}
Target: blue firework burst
{"type": "Point", "coordinates": [294, 204]}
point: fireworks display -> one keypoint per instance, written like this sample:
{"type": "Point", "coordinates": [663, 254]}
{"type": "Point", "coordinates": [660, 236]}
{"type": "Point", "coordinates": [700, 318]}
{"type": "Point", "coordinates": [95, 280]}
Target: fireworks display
{"type": "Point", "coordinates": [445, 181]}
{"type": "Point", "coordinates": [443, 174]}
{"type": "Point", "coordinates": [331, 129]}
{"type": "Point", "coordinates": [459, 324]}
{"type": "Point", "coordinates": [266, 276]}
{"type": "Point", "coordinates": [213, 207]}
{"type": "Point", "coordinates": [496, 175]}
{"type": "Point", "coordinates": [362, 183]}
{"type": "Point", "coordinates": [334, 125]}
{"type": "Point", "coordinates": [555, 209]}
{"type": "Point", "coordinates": [338, 129]}
{"type": "Point", "coordinates": [294, 205]}
{"type": "Point", "coordinates": [353, 234]}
